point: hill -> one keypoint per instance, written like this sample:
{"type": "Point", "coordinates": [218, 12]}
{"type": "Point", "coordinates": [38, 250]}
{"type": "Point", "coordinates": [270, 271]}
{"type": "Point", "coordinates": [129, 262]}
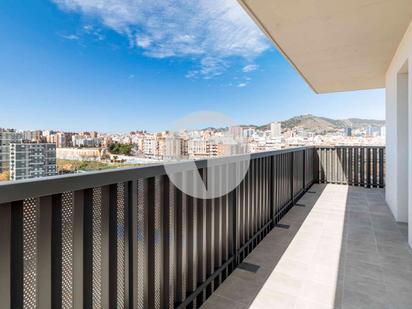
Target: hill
{"type": "Point", "coordinates": [322, 124]}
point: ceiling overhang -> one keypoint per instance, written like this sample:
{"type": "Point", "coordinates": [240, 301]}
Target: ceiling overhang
{"type": "Point", "coordinates": [335, 45]}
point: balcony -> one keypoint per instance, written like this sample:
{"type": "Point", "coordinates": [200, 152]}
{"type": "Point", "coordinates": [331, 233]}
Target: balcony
{"type": "Point", "coordinates": [305, 227]}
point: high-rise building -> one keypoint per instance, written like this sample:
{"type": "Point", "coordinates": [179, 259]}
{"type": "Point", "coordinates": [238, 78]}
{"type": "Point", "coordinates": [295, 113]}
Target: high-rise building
{"type": "Point", "coordinates": [348, 131]}
{"type": "Point", "coordinates": [7, 136]}
{"type": "Point", "coordinates": [173, 147]}
{"type": "Point", "coordinates": [32, 160]}
{"type": "Point", "coordinates": [275, 129]}
{"type": "Point", "coordinates": [59, 139]}
{"type": "Point", "coordinates": [32, 136]}
{"type": "Point", "coordinates": [383, 131]}
{"type": "Point", "coordinates": [150, 146]}
{"type": "Point", "coordinates": [248, 132]}
{"type": "Point", "coordinates": [236, 131]}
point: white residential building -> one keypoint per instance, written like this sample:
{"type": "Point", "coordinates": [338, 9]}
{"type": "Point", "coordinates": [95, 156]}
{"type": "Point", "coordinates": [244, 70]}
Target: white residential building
{"type": "Point", "coordinates": [150, 145]}
{"type": "Point", "coordinates": [198, 148]}
{"type": "Point", "coordinates": [85, 141]}
{"type": "Point", "coordinates": [173, 147]}
{"type": "Point", "coordinates": [275, 129]}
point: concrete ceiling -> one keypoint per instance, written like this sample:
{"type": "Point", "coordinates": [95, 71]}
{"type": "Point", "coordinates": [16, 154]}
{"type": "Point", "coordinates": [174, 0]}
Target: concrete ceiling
{"type": "Point", "coordinates": [336, 45]}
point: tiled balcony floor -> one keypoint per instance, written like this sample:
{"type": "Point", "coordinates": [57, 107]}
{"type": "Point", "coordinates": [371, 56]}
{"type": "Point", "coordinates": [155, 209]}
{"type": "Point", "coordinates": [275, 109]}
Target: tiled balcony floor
{"type": "Point", "coordinates": [343, 250]}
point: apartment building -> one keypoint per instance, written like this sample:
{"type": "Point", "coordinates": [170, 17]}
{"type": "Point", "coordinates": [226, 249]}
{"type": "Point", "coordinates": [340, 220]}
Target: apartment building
{"type": "Point", "coordinates": [150, 146]}
{"type": "Point", "coordinates": [236, 131]}
{"type": "Point", "coordinates": [172, 147]}
{"type": "Point", "coordinates": [7, 136]}
{"type": "Point", "coordinates": [59, 139]}
{"type": "Point", "coordinates": [275, 130]}
{"type": "Point", "coordinates": [85, 141]}
{"type": "Point", "coordinates": [32, 136]}
{"type": "Point", "coordinates": [32, 160]}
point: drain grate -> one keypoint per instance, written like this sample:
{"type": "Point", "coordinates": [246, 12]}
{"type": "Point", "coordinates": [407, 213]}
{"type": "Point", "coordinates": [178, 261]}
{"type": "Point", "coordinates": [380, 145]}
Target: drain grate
{"type": "Point", "coordinates": [300, 205]}
{"type": "Point", "coordinates": [282, 226]}
{"type": "Point", "coordinates": [253, 268]}
{"type": "Point", "coordinates": [312, 192]}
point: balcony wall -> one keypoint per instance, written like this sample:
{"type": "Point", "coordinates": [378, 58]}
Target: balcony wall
{"type": "Point", "coordinates": [398, 84]}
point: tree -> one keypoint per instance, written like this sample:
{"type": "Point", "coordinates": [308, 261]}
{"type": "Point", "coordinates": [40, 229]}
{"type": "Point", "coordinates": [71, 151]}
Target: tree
{"type": "Point", "coordinates": [120, 149]}
{"type": "Point", "coordinates": [5, 176]}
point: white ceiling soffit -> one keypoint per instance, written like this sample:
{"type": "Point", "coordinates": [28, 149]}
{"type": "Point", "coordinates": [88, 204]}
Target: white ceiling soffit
{"type": "Point", "coordinates": [335, 45]}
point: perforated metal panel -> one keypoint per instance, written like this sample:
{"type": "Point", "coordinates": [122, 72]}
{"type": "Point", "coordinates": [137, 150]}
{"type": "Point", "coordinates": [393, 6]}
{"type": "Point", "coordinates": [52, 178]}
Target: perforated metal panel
{"type": "Point", "coordinates": [97, 247]}
{"type": "Point", "coordinates": [140, 243]}
{"type": "Point", "coordinates": [120, 245]}
{"type": "Point", "coordinates": [172, 246]}
{"type": "Point", "coordinates": [67, 250]}
{"type": "Point", "coordinates": [158, 241]}
{"type": "Point", "coordinates": [30, 253]}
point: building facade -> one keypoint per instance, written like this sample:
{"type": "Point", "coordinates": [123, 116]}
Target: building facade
{"type": "Point", "coordinates": [6, 137]}
{"type": "Point", "coordinates": [32, 160]}
{"type": "Point", "coordinates": [275, 130]}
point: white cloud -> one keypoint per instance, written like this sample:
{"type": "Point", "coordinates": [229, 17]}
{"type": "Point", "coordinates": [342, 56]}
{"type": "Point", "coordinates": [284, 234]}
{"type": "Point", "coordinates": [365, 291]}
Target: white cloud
{"type": "Point", "coordinates": [241, 85]}
{"type": "Point", "coordinates": [206, 30]}
{"type": "Point", "coordinates": [250, 68]}
{"type": "Point", "coordinates": [143, 41]}
{"type": "Point", "coordinates": [96, 33]}
{"type": "Point", "coordinates": [70, 37]}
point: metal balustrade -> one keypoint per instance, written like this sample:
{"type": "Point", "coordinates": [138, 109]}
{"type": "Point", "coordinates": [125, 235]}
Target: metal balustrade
{"type": "Point", "coordinates": [129, 238]}
{"type": "Point", "coordinates": [356, 166]}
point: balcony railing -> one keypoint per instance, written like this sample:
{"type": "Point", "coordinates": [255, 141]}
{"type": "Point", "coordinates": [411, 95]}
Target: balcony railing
{"type": "Point", "coordinates": [354, 166]}
{"type": "Point", "coordinates": [130, 239]}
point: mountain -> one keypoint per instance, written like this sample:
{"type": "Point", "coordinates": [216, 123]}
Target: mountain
{"type": "Point", "coordinates": [322, 124]}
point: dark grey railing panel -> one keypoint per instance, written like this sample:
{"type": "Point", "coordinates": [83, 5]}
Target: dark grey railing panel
{"type": "Point", "coordinates": [5, 255]}
{"type": "Point", "coordinates": [357, 166]}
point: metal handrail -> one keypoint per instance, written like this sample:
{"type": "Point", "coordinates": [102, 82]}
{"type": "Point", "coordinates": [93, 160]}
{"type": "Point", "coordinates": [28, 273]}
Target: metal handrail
{"type": "Point", "coordinates": [22, 189]}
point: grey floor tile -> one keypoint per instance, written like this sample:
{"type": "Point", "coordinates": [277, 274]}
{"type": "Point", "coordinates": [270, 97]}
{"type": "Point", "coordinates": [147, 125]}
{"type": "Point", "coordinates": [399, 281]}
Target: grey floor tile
{"type": "Point", "coordinates": [397, 263]}
{"type": "Point", "coordinates": [374, 288]}
{"type": "Point", "coordinates": [355, 268]}
{"type": "Point", "coordinates": [218, 302]}
{"type": "Point", "coordinates": [238, 289]}
{"type": "Point", "coordinates": [397, 279]}
{"type": "Point", "coordinates": [258, 278]}
{"type": "Point", "coordinates": [356, 300]}
{"type": "Point", "coordinates": [397, 250]}
{"type": "Point", "coordinates": [361, 245]}
{"type": "Point", "coordinates": [403, 227]}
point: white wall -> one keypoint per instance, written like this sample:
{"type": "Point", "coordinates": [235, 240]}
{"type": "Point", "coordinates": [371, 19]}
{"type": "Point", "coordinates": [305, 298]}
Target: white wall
{"type": "Point", "coordinates": [397, 173]}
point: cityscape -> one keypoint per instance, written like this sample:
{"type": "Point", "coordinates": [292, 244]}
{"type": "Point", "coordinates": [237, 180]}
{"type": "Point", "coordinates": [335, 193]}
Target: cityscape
{"type": "Point", "coordinates": [40, 153]}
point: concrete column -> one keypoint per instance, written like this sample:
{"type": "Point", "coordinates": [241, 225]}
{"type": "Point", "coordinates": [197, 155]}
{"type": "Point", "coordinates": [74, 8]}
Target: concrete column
{"type": "Point", "coordinates": [409, 90]}
{"type": "Point", "coordinates": [402, 136]}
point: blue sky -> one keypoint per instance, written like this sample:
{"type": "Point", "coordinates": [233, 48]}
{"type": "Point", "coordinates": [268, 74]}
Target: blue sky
{"type": "Point", "coordinates": [140, 64]}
